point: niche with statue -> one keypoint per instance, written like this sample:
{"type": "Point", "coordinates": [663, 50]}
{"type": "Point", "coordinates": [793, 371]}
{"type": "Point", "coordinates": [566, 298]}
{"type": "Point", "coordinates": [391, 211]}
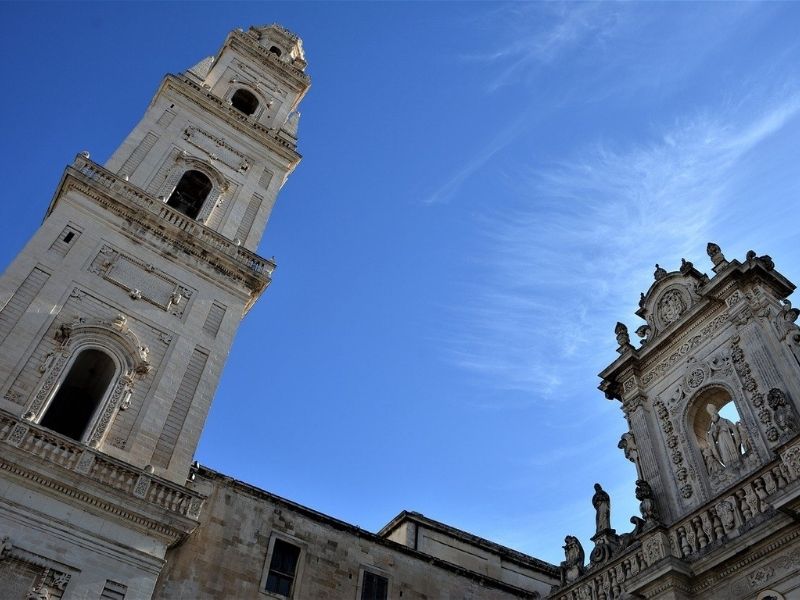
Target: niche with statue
{"type": "Point", "coordinates": [721, 437]}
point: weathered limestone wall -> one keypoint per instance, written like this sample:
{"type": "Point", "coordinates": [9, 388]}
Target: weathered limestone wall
{"type": "Point", "coordinates": [226, 556]}
{"type": "Point", "coordinates": [471, 552]}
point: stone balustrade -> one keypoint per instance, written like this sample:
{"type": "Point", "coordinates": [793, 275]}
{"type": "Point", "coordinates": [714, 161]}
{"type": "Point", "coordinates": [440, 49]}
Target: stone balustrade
{"type": "Point", "coordinates": [55, 449]}
{"type": "Point", "coordinates": [204, 235]}
{"type": "Point", "coordinates": [738, 509]}
{"type": "Point", "coordinates": [741, 508]}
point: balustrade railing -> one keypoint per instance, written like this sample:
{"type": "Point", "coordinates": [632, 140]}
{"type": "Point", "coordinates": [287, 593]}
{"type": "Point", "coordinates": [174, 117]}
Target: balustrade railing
{"type": "Point", "coordinates": [105, 470]}
{"type": "Point", "coordinates": [742, 506]}
{"type": "Point", "coordinates": [134, 195]}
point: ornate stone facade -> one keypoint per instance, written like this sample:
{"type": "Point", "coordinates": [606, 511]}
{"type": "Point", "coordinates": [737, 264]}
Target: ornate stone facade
{"type": "Point", "coordinates": [144, 274]}
{"type": "Point", "coordinates": [710, 399]}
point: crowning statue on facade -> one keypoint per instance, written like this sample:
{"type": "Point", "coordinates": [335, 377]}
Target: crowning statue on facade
{"type": "Point", "coordinates": [146, 266]}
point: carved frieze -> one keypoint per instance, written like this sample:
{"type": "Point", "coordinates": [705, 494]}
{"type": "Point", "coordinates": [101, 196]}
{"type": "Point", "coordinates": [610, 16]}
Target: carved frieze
{"type": "Point", "coordinates": [685, 348]}
{"type": "Point", "coordinates": [673, 442]}
{"type": "Point", "coordinates": [141, 280]}
{"type": "Point", "coordinates": [217, 148]}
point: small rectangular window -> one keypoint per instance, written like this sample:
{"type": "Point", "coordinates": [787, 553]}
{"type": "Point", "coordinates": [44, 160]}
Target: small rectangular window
{"type": "Point", "coordinates": [282, 568]}
{"type": "Point", "coordinates": [374, 587]}
{"type": "Point", "coordinates": [62, 243]}
{"type": "Point", "coordinates": [113, 591]}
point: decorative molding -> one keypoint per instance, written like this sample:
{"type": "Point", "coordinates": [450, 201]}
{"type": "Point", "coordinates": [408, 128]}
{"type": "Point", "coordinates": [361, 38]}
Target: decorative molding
{"type": "Point", "coordinates": [141, 280]}
{"type": "Point", "coordinates": [217, 148]}
{"type": "Point", "coordinates": [683, 349]}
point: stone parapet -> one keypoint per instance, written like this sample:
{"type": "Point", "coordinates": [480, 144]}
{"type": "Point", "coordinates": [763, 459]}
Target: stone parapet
{"type": "Point", "coordinates": [704, 539]}
{"type": "Point", "coordinates": [98, 481]}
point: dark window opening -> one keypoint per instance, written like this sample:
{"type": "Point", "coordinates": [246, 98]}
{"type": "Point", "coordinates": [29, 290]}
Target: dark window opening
{"type": "Point", "coordinates": [244, 101]}
{"type": "Point", "coordinates": [190, 193]}
{"type": "Point", "coordinates": [275, 50]}
{"type": "Point", "coordinates": [374, 587]}
{"type": "Point", "coordinates": [282, 568]}
{"type": "Point", "coordinates": [81, 392]}
{"type": "Point", "coordinates": [69, 236]}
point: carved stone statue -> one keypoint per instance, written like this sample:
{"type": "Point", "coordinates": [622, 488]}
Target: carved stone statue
{"type": "Point", "coordinates": [623, 339]}
{"type": "Point", "coordinates": [723, 438]}
{"type": "Point", "coordinates": [5, 548]}
{"type": "Point", "coordinates": [716, 255]}
{"type": "Point", "coordinates": [712, 464]}
{"type": "Point", "coordinates": [628, 445]}
{"type": "Point", "coordinates": [602, 505]}
{"type": "Point", "coordinates": [647, 504]}
{"type": "Point", "coordinates": [659, 273]}
{"type": "Point", "coordinates": [784, 413]}
{"type": "Point", "coordinates": [573, 566]}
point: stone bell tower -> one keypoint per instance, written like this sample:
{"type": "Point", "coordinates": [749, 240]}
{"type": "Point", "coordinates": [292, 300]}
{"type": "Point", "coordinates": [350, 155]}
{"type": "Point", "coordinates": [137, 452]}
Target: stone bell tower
{"type": "Point", "coordinates": [118, 315]}
{"type": "Point", "coordinates": [711, 399]}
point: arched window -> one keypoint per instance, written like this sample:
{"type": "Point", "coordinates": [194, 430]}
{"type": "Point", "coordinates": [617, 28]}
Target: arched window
{"type": "Point", "coordinates": [275, 50]}
{"type": "Point", "coordinates": [244, 101]}
{"type": "Point", "coordinates": [80, 394]}
{"type": "Point", "coordinates": [190, 193]}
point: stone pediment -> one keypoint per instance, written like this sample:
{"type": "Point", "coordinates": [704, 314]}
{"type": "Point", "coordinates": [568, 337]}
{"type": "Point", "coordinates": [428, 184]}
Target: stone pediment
{"type": "Point", "coordinates": [670, 297]}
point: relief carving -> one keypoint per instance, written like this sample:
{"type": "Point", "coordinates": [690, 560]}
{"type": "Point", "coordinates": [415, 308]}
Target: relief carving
{"type": "Point", "coordinates": [671, 307]}
{"type": "Point", "coordinates": [142, 281]}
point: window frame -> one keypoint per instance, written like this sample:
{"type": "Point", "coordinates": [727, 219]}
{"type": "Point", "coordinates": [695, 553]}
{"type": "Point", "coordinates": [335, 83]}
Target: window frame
{"type": "Point", "coordinates": [114, 383]}
{"type": "Point", "coordinates": [373, 570]}
{"type": "Point", "coordinates": [298, 572]}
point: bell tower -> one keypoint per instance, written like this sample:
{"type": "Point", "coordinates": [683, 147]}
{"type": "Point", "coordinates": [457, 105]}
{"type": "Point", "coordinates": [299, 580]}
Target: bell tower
{"type": "Point", "coordinates": [118, 315]}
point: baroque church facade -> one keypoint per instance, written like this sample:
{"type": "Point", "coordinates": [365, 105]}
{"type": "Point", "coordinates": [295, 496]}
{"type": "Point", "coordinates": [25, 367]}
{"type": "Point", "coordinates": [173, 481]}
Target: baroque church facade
{"type": "Point", "coordinates": [118, 315]}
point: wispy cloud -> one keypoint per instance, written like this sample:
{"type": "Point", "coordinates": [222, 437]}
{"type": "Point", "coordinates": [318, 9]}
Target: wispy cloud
{"type": "Point", "coordinates": [567, 262]}
{"type": "Point", "coordinates": [540, 34]}
{"type": "Point", "coordinates": [502, 139]}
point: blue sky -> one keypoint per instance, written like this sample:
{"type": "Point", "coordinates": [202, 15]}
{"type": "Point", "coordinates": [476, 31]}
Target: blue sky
{"type": "Point", "coordinates": [485, 190]}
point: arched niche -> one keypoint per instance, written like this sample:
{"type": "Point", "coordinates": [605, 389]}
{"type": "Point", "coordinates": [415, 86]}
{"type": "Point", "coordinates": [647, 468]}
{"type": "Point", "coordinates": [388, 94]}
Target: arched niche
{"type": "Point", "coordinates": [721, 439]}
{"type": "Point", "coordinates": [106, 350]}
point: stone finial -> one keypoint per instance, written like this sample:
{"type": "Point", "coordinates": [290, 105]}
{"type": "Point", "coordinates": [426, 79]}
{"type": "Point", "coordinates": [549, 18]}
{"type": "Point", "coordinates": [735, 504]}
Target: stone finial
{"type": "Point", "coordinates": [641, 299]}
{"type": "Point", "coordinates": [686, 266]}
{"type": "Point", "coordinates": [623, 339]}
{"type": "Point", "coordinates": [659, 273]}
{"type": "Point", "coordinates": [717, 257]}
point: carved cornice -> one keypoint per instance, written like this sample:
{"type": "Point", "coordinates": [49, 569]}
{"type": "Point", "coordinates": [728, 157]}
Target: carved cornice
{"type": "Point", "coordinates": [175, 230]}
{"type": "Point", "coordinates": [97, 482]}
{"type": "Point", "coordinates": [290, 74]}
{"type": "Point", "coordinates": [264, 136]}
